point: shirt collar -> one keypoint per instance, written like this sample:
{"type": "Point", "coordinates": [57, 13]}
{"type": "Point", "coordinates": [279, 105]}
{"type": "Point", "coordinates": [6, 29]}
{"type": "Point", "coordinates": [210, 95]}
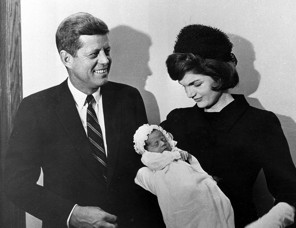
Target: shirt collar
{"type": "Point", "coordinates": [80, 97]}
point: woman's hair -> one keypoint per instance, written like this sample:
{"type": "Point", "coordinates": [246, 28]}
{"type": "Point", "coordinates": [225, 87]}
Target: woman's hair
{"type": "Point", "coordinates": [71, 28]}
{"type": "Point", "coordinates": [223, 73]}
{"type": "Point", "coordinates": [204, 50]}
{"type": "Point", "coordinates": [205, 41]}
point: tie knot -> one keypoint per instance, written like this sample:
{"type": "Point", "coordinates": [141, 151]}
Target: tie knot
{"type": "Point", "coordinates": [90, 99]}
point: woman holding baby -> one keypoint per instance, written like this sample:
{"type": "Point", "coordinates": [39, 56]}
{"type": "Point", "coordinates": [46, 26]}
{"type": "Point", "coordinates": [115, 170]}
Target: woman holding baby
{"type": "Point", "coordinates": [232, 140]}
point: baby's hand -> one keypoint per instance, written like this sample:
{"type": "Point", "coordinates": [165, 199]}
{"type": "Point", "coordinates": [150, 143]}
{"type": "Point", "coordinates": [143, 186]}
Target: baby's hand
{"type": "Point", "coordinates": [184, 155]}
{"type": "Point", "coordinates": [189, 157]}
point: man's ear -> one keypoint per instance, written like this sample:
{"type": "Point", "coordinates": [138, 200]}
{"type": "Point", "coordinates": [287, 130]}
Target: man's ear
{"type": "Point", "coordinates": [66, 58]}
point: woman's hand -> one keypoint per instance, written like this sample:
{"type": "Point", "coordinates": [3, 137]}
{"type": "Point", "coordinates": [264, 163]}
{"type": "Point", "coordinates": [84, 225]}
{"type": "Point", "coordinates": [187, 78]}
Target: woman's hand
{"type": "Point", "coordinates": [281, 215]}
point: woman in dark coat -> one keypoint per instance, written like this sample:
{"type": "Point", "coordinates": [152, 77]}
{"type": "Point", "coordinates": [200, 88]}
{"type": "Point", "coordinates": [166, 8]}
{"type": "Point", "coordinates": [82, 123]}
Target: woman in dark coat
{"type": "Point", "coordinates": [232, 140]}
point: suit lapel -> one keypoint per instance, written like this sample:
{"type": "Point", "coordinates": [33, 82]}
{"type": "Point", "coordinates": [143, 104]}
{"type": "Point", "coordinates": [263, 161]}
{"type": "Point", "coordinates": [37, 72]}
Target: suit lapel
{"type": "Point", "coordinates": [70, 119]}
{"type": "Point", "coordinates": [112, 110]}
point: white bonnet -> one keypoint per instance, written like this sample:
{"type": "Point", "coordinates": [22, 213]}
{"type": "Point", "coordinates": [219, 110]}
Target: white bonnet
{"type": "Point", "coordinates": [141, 135]}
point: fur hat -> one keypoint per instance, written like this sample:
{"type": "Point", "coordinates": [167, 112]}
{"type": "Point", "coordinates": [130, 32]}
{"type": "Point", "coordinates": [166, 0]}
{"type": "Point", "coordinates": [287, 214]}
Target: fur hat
{"type": "Point", "coordinates": [141, 135]}
{"type": "Point", "coordinates": [205, 41]}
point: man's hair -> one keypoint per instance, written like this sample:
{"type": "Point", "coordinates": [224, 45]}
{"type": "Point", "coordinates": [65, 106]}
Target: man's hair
{"type": "Point", "coordinates": [71, 28]}
{"type": "Point", "coordinates": [223, 73]}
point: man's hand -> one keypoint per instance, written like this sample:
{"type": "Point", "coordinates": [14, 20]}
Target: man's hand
{"type": "Point", "coordinates": [92, 217]}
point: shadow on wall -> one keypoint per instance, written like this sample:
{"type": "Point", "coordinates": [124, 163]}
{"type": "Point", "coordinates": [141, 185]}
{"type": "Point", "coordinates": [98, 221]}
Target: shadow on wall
{"type": "Point", "coordinates": [249, 82]}
{"type": "Point", "coordinates": [130, 57]}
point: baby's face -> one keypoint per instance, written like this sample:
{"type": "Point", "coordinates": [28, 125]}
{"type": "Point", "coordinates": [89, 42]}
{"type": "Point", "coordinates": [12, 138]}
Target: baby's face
{"type": "Point", "coordinates": [157, 142]}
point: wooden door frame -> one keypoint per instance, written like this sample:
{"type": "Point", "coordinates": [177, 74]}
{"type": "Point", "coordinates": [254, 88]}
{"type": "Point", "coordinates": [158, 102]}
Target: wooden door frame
{"type": "Point", "coordinates": [10, 97]}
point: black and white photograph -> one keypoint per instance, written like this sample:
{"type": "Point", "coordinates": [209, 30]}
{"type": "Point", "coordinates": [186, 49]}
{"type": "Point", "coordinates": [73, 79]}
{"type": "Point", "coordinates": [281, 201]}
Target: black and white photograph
{"type": "Point", "coordinates": [147, 114]}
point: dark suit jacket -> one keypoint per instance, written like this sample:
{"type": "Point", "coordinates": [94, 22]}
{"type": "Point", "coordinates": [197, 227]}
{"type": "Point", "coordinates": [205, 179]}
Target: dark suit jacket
{"type": "Point", "coordinates": [48, 135]}
{"type": "Point", "coordinates": [234, 145]}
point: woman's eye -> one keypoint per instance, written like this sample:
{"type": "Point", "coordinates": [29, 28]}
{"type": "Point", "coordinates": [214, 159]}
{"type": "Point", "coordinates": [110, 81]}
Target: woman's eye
{"type": "Point", "coordinates": [197, 84]}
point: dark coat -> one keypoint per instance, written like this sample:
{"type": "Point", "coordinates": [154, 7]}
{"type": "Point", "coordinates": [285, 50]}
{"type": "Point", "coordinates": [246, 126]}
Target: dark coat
{"type": "Point", "coordinates": [234, 145]}
{"type": "Point", "coordinates": [48, 135]}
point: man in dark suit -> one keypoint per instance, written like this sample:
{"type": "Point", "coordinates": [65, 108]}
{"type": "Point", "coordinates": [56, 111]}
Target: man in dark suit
{"type": "Point", "coordinates": [88, 179]}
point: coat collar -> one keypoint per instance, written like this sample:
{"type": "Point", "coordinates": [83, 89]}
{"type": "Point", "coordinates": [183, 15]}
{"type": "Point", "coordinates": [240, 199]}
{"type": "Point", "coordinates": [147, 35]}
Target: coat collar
{"type": "Point", "coordinates": [228, 116]}
{"type": "Point", "coordinates": [113, 121]}
{"type": "Point", "coordinates": [204, 132]}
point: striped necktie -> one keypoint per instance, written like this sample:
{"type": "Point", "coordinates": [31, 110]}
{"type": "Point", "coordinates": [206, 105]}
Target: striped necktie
{"type": "Point", "coordinates": [95, 136]}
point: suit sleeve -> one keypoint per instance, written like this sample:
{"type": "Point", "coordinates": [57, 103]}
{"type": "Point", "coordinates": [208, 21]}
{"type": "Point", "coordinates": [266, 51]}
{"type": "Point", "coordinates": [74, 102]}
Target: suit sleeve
{"type": "Point", "coordinates": [23, 167]}
{"type": "Point", "coordinates": [176, 123]}
{"type": "Point", "coordinates": [171, 118]}
{"type": "Point", "coordinates": [134, 117]}
{"type": "Point", "coordinates": [277, 163]}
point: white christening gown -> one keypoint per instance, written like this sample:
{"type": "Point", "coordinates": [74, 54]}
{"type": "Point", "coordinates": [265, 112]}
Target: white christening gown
{"type": "Point", "coordinates": [188, 197]}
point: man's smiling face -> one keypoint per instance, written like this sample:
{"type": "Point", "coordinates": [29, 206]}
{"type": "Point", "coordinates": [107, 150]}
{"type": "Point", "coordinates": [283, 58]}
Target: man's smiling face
{"type": "Point", "coordinates": [90, 66]}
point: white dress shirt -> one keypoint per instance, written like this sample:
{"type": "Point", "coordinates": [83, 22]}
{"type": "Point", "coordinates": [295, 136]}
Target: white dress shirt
{"type": "Point", "coordinates": [81, 105]}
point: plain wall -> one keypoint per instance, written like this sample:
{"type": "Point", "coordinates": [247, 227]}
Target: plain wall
{"type": "Point", "coordinates": [143, 34]}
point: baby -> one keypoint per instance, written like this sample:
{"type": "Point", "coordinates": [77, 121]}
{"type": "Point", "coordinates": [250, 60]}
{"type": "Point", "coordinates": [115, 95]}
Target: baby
{"type": "Point", "coordinates": [188, 197]}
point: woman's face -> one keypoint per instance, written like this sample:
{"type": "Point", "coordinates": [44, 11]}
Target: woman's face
{"type": "Point", "coordinates": [157, 142]}
{"type": "Point", "coordinates": [199, 88]}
